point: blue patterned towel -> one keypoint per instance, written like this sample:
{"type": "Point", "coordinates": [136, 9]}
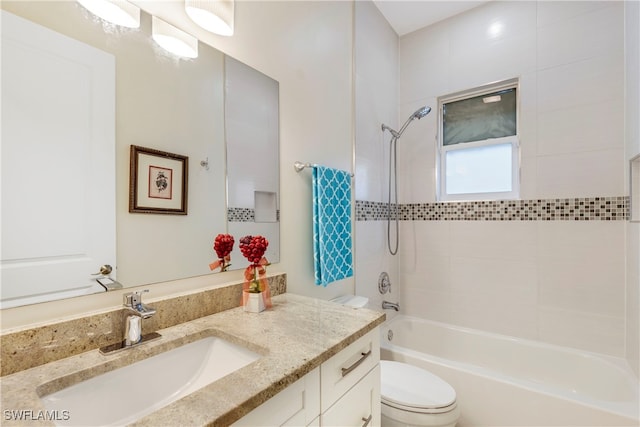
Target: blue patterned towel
{"type": "Point", "coordinates": [332, 247]}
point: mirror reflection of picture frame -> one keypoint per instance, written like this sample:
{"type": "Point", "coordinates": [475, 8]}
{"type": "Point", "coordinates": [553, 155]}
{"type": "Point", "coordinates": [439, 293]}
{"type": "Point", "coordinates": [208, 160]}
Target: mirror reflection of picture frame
{"type": "Point", "coordinates": [157, 182]}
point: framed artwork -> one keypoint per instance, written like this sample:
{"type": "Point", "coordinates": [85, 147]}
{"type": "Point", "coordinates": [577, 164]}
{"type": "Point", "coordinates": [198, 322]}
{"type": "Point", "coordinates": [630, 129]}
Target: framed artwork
{"type": "Point", "coordinates": [157, 182]}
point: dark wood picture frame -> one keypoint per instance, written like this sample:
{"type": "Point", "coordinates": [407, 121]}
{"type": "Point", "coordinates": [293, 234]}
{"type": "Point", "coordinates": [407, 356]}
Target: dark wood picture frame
{"type": "Point", "coordinates": [157, 181]}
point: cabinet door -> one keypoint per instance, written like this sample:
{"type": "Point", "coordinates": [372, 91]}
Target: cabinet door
{"type": "Point", "coordinates": [360, 406]}
{"type": "Point", "coordinates": [296, 405]}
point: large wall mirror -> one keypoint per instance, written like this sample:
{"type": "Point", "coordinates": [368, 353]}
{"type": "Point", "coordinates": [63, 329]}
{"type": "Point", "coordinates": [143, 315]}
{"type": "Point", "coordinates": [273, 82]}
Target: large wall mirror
{"type": "Point", "coordinates": [218, 112]}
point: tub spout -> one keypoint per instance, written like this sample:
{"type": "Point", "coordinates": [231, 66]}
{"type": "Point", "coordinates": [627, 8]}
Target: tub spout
{"type": "Point", "coordinates": [394, 305]}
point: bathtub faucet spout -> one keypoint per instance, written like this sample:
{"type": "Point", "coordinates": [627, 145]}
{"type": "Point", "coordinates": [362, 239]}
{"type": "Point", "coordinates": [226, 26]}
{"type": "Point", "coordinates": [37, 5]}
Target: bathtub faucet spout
{"type": "Point", "coordinates": [387, 304]}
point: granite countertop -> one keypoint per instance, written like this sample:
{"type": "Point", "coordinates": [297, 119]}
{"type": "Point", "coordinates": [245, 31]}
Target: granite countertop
{"type": "Point", "coordinates": [294, 337]}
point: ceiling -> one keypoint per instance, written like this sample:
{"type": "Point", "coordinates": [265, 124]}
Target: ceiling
{"type": "Point", "coordinates": [406, 16]}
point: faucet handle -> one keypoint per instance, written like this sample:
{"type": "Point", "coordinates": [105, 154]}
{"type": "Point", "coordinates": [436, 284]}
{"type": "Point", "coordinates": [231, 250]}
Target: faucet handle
{"type": "Point", "coordinates": [133, 299]}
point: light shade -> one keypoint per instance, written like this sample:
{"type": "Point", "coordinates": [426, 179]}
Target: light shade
{"type": "Point", "coordinates": [119, 12]}
{"type": "Point", "coordinates": [173, 39]}
{"type": "Point", "coordinates": [212, 15]}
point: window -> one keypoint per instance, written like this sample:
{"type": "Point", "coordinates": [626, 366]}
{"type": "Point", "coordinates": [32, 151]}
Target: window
{"type": "Point", "coordinates": [478, 144]}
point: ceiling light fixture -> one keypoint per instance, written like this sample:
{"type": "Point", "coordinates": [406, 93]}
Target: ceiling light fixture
{"type": "Point", "coordinates": [173, 39]}
{"type": "Point", "coordinates": [212, 15]}
{"type": "Point", "coordinates": [119, 12]}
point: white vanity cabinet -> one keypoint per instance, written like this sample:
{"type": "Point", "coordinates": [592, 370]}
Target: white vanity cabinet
{"type": "Point", "coordinates": [360, 406]}
{"type": "Point", "coordinates": [350, 384]}
{"type": "Point", "coordinates": [296, 405]}
{"type": "Point", "coordinates": [344, 391]}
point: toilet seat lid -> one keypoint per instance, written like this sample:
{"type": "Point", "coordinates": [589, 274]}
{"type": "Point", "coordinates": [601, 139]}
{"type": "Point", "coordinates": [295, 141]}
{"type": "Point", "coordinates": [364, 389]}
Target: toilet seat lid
{"type": "Point", "coordinates": [407, 386]}
{"type": "Point", "coordinates": [356, 301]}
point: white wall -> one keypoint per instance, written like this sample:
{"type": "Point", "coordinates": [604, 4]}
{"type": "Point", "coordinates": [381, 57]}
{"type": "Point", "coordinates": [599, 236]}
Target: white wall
{"type": "Point", "coordinates": [376, 97]}
{"type": "Point", "coordinates": [561, 282]}
{"type": "Point", "coordinates": [307, 47]}
{"type": "Point", "coordinates": [632, 137]}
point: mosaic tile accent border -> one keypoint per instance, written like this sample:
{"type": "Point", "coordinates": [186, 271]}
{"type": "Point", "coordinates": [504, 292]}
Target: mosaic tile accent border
{"type": "Point", "coordinates": [240, 215]}
{"type": "Point", "coordinates": [573, 209]}
{"type": "Point", "coordinates": [244, 215]}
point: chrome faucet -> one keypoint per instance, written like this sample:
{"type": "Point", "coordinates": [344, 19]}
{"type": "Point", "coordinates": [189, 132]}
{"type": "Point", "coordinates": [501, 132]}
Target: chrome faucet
{"type": "Point", "coordinates": [387, 304]}
{"type": "Point", "coordinates": [133, 301]}
{"type": "Point", "coordinates": [133, 326]}
{"type": "Point", "coordinates": [133, 323]}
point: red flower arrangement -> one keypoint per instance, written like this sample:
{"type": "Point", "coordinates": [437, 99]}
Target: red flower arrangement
{"type": "Point", "coordinates": [253, 248]}
{"type": "Point", "coordinates": [223, 245]}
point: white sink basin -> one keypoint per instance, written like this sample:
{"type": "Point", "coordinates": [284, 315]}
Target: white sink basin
{"type": "Point", "coordinates": [126, 394]}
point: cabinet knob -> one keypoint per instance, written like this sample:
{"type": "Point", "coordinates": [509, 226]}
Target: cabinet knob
{"type": "Point", "coordinates": [367, 420]}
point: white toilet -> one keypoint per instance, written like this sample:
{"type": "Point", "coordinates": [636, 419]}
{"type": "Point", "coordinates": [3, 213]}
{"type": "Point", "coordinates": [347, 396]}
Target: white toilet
{"type": "Point", "coordinates": [411, 396]}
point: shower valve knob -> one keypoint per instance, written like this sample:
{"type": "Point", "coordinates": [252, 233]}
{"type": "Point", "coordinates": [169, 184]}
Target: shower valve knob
{"type": "Point", "coordinates": [384, 283]}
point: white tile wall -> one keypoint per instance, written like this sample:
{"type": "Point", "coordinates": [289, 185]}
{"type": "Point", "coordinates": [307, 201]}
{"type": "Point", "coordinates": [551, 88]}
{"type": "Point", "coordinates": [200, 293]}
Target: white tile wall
{"type": "Point", "coordinates": [483, 26]}
{"type": "Point", "coordinates": [580, 128]}
{"type": "Point", "coordinates": [590, 81]}
{"type": "Point", "coordinates": [633, 297]}
{"type": "Point", "coordinates": [376, 59]}
{"type": "Point", "coordinates": [251, 131]}
{"type": "Point", "coordinates": [519, 277]}
{"type": "Point", "coordinates": [555, 281]}
{"type": "Point", "coordinates": [578, 37]}
{"type": "Point", "coordinates": [419, 74]}
{"type": "Point", "coordinates": [554, 12]}
{"type": "Point", "coordinates": [371, 259]}
{"type": "Point", "coordinates": [632, 148]}
{"type": "Point", "coordinates": [426, 268]}
{"type": "Point", "coordinates": [581, 174]}
{"type": "Point", "coordinates": [515, 240]}
{"type": "Point", "coordinates": [376, 70]}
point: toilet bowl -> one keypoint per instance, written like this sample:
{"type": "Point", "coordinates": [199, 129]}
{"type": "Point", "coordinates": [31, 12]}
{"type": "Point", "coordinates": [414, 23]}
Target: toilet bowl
{"type": "Point", "coordinates": [411, 396]}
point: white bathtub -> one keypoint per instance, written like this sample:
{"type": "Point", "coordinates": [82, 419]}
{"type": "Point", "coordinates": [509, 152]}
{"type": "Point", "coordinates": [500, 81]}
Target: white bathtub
{"type": "Point", "coordinates": [506, 381]}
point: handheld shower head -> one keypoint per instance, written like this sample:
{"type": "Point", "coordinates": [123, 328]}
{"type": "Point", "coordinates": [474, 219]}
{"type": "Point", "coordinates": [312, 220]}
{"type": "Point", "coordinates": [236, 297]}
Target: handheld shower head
{"type": "Point", "coordinates": [418, 114]}
{"type": "Point", "coordinates": [421, 112]}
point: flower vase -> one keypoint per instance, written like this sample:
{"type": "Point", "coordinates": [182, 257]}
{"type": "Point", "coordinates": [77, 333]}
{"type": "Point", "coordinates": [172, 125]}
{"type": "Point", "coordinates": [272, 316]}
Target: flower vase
{"type": "Point", "coordinates": [254, 302]}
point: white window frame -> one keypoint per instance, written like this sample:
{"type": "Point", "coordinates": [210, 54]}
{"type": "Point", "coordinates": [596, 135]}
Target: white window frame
{"type": "Point", "coordinates": [514, 140]}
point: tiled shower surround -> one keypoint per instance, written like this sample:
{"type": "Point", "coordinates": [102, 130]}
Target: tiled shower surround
{"type": "Point", "coordinates": [573, 209]}
{"type": "Point", "coordinates": [558, 267]}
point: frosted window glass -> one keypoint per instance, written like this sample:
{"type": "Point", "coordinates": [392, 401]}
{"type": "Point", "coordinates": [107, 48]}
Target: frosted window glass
{"type": "Point", "coordinates": [479, 170]}
{"type": "Point", "coordinates": [482, 117]}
